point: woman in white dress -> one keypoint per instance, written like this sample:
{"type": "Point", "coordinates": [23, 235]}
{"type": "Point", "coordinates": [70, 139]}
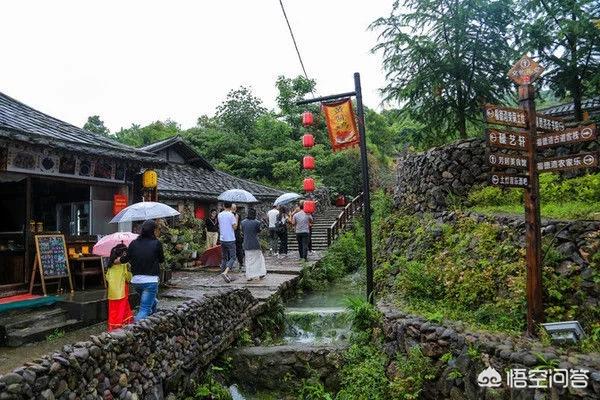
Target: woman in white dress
{"type": "Point", "coordinates": [254, 260]}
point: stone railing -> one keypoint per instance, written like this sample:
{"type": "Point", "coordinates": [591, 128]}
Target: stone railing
{"type": "Point", "coordinates": [145, 360]}
{"type": "Point", "coordinates": [460, 356]}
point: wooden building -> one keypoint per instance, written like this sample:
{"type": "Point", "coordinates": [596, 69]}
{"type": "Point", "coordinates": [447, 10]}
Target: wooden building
{"type": "Point", "coordinates": [60, 178]}
{"type": "Point", "coordinates": [590, 108]}
{"type": "Point", "coordinates": [189, 179]}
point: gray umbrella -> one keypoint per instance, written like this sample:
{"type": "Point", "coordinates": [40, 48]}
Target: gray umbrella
{"type": "Point", "coordinates": [286, 198]}
{"type": "Point", "coordinates": [237, 196]}
{"type": "Point", "coordinates": [143, 211]}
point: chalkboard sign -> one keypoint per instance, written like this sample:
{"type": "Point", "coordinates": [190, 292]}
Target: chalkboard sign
{"type": "Point", "coordinates": [51, 259]}
{"type": "Point", "coordinates": [52, 253]}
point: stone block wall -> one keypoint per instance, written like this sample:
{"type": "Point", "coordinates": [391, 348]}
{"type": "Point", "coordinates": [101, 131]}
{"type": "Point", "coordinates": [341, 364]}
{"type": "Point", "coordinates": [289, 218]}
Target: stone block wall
{"type": "Point", "coordinates": [146, 360]}
{"type": "Point", "coordinates": [427, 181]}
{"type": "Point", "coordinates": [575, 241]}
{"type": "Point", "coordinates": [265, 368]}
{"type": "Point", "coordinates": [460, 356]}
{"type": "Point", "coordinates": [432, 180]}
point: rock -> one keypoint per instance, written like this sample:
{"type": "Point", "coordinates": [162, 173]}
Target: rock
{"type": "Point", "coordinates": [11, 378]}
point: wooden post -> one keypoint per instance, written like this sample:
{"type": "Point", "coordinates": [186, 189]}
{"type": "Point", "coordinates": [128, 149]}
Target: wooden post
{"type": "Point", "coordinates": [360, 116]}
{"type": "Point", "coordinates": [535, 309]}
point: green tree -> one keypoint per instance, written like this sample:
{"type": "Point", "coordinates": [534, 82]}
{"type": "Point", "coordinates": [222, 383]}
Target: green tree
{"type": "Point", "coordinates": [240, 111]}
{"type": "Point", "coordinates": [141, 136]}
{"type": "Point", "coordinates": [443, 58]}
{"type": "Point", "coordinates": [563, 35]}
{"type": "Point", "coordinates": [96, 125]}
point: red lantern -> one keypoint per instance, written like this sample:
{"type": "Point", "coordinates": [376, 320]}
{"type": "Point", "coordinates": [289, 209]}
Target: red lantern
{"type": "Point", "coordinates": [308, 140]}
{"type": "Point", "coordinates": [309, 206]}
{"type": "Point", "coordinates": [308, 162]}
{"type": "Point", "coordinates": [200, 213]}
{"type": "Point", "coordinates": [309, 185]}
{"type": "Point", "coordinates": [307, 118]}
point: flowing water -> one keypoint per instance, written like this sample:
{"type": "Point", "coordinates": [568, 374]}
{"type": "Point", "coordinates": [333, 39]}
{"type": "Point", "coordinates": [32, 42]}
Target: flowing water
{"type": "Point", "coordinates": [319, 317]}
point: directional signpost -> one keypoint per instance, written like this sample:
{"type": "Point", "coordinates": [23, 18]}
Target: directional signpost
{"type": "Point", "coordinates": [525, 132]}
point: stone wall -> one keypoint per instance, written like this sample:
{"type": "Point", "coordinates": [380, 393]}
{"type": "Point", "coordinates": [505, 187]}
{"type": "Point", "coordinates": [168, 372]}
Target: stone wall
{"type": "Point", "coordinates": [266, 368]}
{"type": "Point", "coordinates": [427, 181]}
{"type": "Point", "coordinates": [460, 356]}
{"type": "Point", "coordinates": [432, 180]}
{"type": "Point", "coordinates": [147, 360]}
{"type": "Point", "coordinates": [576, 241]}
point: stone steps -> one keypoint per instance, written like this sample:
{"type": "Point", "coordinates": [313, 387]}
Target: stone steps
{"type": "Point", "coordinates": [26, 326]}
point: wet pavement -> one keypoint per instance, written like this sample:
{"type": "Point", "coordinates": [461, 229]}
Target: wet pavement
{"type": "Point", "coordinates": [282, 273]}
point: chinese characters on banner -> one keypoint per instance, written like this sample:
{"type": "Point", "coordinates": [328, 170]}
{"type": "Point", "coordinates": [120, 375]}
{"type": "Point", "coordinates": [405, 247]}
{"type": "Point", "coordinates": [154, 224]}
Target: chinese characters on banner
{"type": "Point", "coordinates": [341, 124]}
{"type": "Point", "coordinates": [119, 203]}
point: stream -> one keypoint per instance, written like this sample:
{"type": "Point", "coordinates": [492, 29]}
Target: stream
{"type": "Point", "coordinates": [318, 317]}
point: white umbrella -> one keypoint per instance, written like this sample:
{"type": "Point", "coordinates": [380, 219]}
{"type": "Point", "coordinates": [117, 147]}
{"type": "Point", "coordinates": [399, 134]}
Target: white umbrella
{"type": "Point", "coordinates": [237, 196]}
{"type": "Point", "coordinates": [286, 198]}
{"type": "Point", "coordinates": [143, 211]}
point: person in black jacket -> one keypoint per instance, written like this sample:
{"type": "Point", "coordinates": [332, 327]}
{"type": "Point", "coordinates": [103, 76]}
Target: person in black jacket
{"type": "Point", "coordinates": [145, 254]}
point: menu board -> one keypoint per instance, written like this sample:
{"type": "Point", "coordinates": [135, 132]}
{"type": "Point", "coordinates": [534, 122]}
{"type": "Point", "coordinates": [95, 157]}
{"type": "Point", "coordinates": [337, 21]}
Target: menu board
{"type": "Point", "coordinates": [52, 255]}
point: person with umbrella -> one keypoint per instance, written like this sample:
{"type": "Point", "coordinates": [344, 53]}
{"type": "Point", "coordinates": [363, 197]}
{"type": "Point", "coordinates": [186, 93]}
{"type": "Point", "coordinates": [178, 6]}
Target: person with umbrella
{"type": "Point", "coordinates": [118, 278]}
{"type": "Point", "coordinates": [228, 223]}
{"type": "Point", "coordinates": [145, 254]}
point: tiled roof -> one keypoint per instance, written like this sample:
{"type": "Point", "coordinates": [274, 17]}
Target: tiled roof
{"type": "Point", "coordinates": [569, 108]}
{"type": "Point", "coordinates": [23, 123]}
{"type": "Point", "coordinates": [180, 181]}
{"type": "Point", "coordinates": [190, 155]}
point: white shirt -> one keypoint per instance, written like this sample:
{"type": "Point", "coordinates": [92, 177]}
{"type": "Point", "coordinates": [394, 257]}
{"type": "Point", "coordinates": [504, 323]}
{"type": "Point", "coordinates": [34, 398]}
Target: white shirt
{"type": "Point", "coordinates": [144, 279]}
{"type": "Point", "coordinates": [226, 222]}
{"type": "Point", "coordinates": [272, 215]}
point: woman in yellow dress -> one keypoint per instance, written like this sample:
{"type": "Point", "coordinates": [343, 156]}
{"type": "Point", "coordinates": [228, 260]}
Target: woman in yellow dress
{"type": "Point", "coordinates": [117, 279]}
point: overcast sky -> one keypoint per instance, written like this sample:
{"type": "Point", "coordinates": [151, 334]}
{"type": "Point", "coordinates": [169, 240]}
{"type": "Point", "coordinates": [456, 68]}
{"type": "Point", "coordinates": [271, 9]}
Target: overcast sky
{"type": "Point", "coordinates": [140, 61]}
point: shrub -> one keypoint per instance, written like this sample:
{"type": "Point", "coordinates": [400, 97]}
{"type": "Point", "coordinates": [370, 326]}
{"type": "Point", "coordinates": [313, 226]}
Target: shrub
{"type": "Point", "coordinates": [313, 389]}
{"type": "Point", "coordinates": [364, 315]}
{"type": "Point", "coordinates": [414, 370]}
{"type": "Point", "coordinates": [363, 375]}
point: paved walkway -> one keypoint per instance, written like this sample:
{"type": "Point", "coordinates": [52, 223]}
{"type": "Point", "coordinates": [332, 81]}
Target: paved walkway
{"type": "Point", "coordinates": [281, 275]}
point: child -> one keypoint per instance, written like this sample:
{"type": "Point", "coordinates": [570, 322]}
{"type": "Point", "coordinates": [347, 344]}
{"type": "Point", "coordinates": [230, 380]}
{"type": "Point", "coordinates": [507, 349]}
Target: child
{"type": "Point", "coordinates": [117, 278]}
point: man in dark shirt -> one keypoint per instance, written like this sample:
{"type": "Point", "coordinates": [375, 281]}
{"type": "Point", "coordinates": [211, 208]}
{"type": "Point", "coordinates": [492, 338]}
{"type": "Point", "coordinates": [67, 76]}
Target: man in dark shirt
{"type": "Point", "coordinates": [212, 229]}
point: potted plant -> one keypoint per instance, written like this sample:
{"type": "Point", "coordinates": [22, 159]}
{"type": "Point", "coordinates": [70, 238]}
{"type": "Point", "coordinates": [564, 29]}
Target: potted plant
{"type": "Point", "coordinates": [174, 232]}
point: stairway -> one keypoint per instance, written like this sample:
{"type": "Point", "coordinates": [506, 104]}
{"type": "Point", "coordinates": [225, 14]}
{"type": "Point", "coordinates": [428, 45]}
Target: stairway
{"type": "Point", "coordinates": [322, 221]}
{"type": "Point", "coordinates": [18, 327]}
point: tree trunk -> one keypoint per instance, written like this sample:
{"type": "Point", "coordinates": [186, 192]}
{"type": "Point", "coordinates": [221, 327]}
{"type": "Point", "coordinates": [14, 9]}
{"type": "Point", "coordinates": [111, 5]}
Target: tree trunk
{"type": "Point", "coordinates": [461, 121]}
{"type": "Point", "coordinates": [577, 98]}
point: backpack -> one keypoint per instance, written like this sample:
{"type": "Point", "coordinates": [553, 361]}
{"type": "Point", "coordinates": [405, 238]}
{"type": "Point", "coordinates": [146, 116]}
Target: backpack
{"type": "Point", "coordinates": [280, 225]}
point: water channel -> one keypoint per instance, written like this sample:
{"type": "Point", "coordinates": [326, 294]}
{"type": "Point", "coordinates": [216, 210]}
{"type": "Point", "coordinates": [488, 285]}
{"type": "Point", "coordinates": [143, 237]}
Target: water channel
{"type": "Point", "coordinates": [318, 317]}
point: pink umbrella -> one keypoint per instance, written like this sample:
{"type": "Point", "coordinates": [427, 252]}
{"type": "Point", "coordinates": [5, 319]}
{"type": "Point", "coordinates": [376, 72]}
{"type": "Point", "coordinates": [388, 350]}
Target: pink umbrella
{"type": "Point", "coordinates": [106, 244]}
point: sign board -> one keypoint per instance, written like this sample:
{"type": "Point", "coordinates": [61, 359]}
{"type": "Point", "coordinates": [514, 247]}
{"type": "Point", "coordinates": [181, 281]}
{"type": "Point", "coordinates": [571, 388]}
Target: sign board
{"type": "Point", "coordinates": [505, 116]}
{"type": "Point", "coordinates": [51, 259]}
{"type": "Point", "coordinates": [52, 255]}
{"type": "Point", "coordinates": [509, 180]}
{"type": "Point", "coordinates": [341, 124]}
{"type": "Point", "coordinates": [518, 118]}
{"type": "Point", "coordinates": [507, 139]}
{"type": "Point", "coordinates": [576, 161]}
{"type": "Point", "coordinates": [119, 203]}
{"type": "Point", "coordinates": [507, 161]}
{"type": "Point", "coordinates": [525, 71]}
{"type": "Point", "coordinates": [582, 133]}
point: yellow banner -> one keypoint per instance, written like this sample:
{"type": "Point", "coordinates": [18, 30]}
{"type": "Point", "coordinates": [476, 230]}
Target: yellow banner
{"type": "Point", "coordinates": [341, 124]}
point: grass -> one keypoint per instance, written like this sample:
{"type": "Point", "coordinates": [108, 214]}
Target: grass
{"type": "Point", "coordinates": [568, 210]}
{"type": "Point", "coordinates": [57, 334]}
{"type": "Point", "coordinates": [573, 198]}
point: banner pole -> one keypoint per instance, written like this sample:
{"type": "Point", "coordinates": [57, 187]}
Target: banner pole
{"type": "Point", "coordinates": [366, 189]}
